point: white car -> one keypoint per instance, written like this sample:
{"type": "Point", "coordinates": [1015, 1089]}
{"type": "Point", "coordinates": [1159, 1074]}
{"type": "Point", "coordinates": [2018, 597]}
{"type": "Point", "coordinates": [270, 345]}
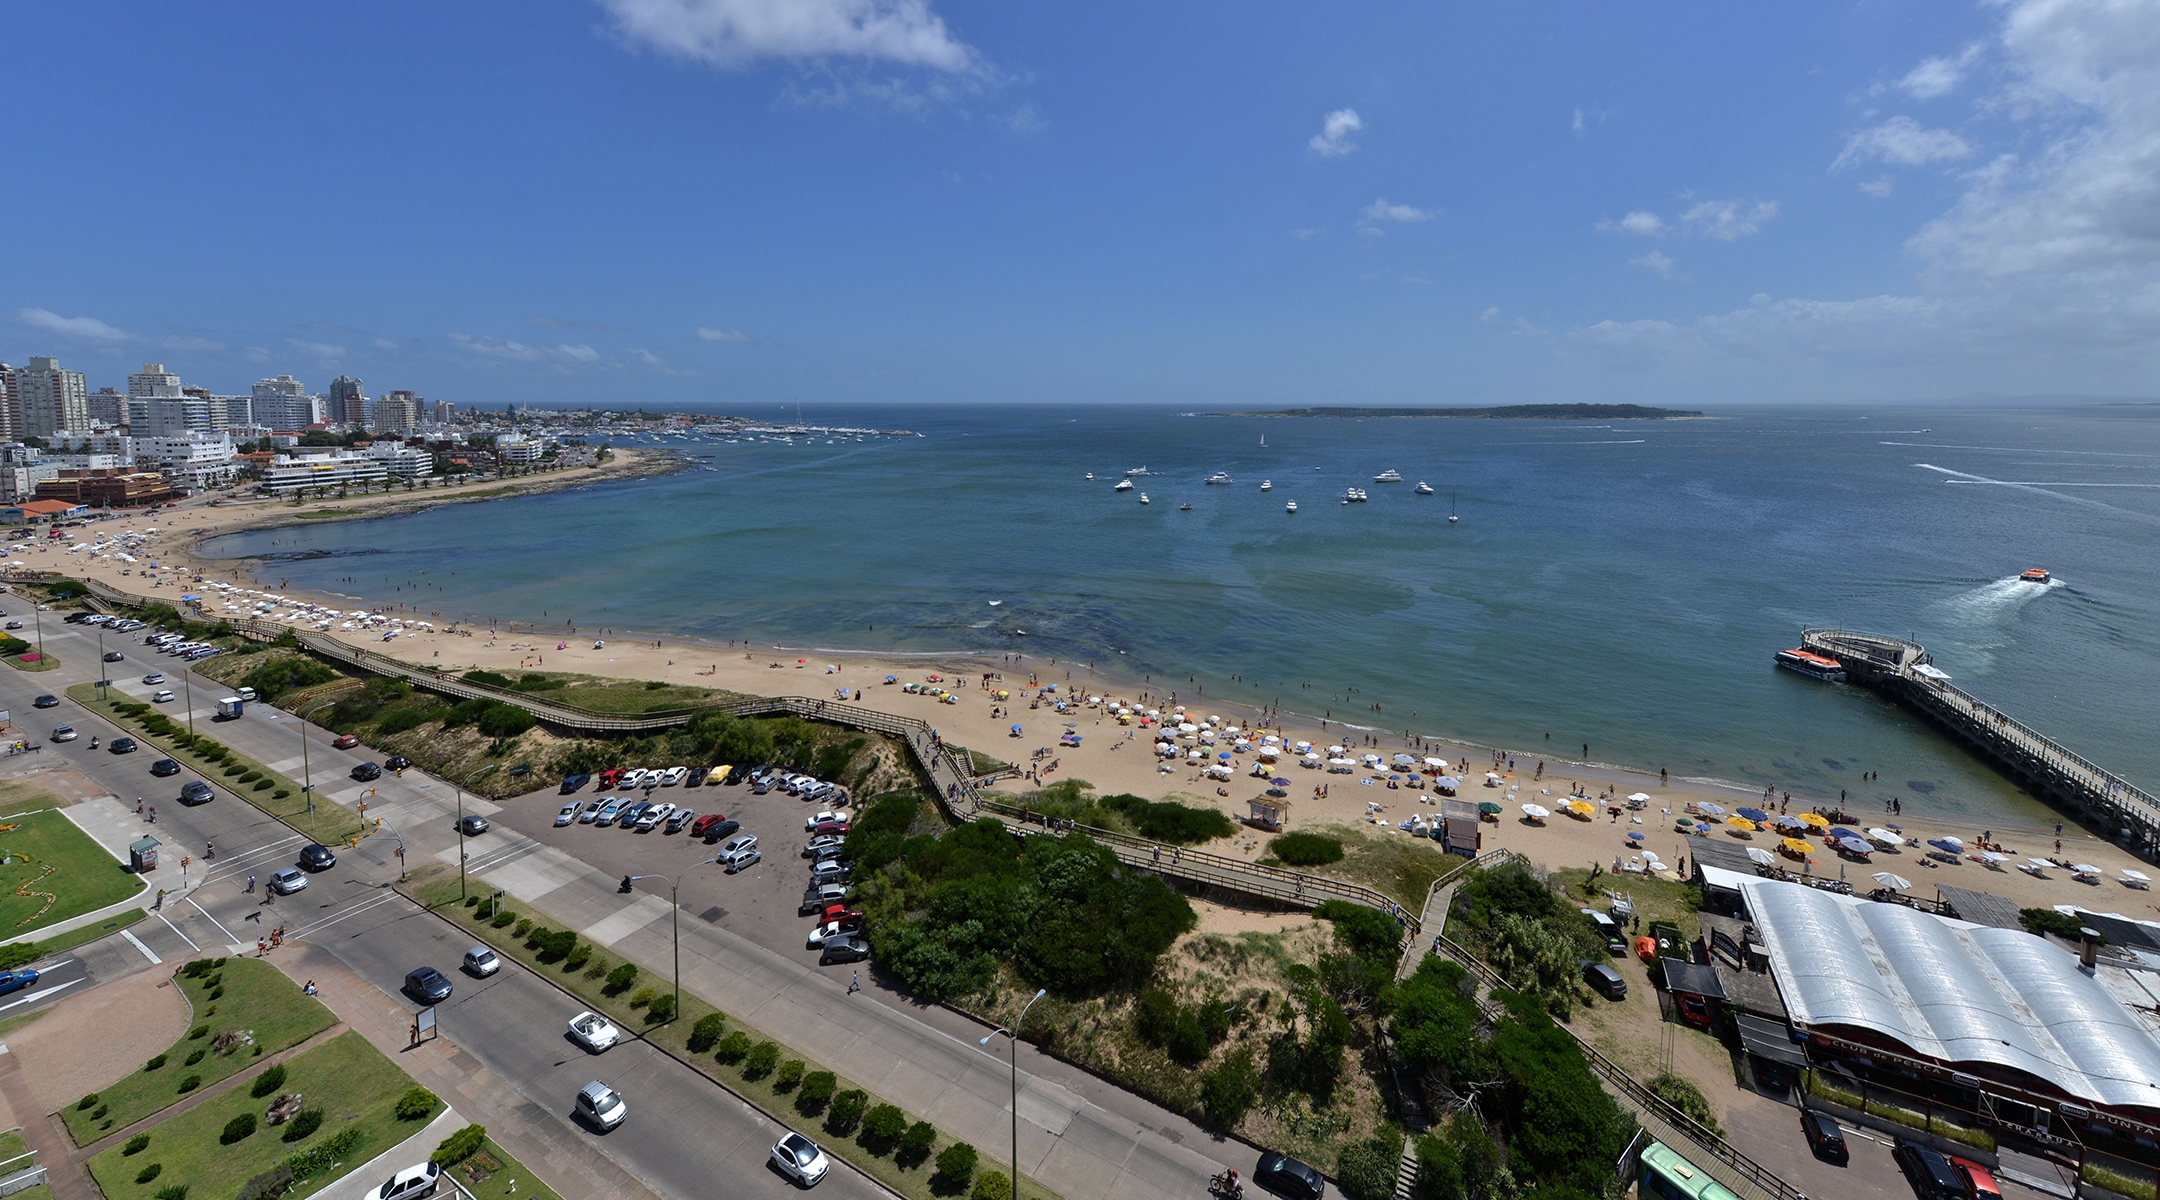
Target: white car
{"type": "Point", "coordinates": [593, 1031]}
{"type": "Point", "coordinates": [823, 846]}
{"type": "Point", "coordinates": [810, 823]}
{"type": "Point", "coordinates": [569, 813]}
{"type": "Point", "coordinates": [163, 697]}
{"type": "Point", "coordinates": [482, 961]}
{"type": "Point", "coordinates": [410, 1184]}
{"type": "Point", "coordinates": [801, 1159]}
{"type": "Point", "coordinates": [674, 776]}
{"type": "Point", "coordinates": [153, 678]}
{"type": "Point", "coordinates": [633, 779]}
{"type": "Point", "coordinates": [589, 815]}
{"type": "Point", "coordinates": [829, 929]}
{"type": "Point", "coordinates": [650, 819]}
{"type": "Point", "coordinates": [601, 1105]}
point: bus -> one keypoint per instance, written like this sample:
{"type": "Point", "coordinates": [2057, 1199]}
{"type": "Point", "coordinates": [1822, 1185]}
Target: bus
{"type": "Point", "coordinates": [1664, 1174]}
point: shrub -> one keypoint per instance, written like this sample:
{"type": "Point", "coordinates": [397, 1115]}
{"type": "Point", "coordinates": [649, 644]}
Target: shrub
{"type": "Point", "coordinates": [416, 1103]}
{"type": "Point", "coordinates": [269, 1081]}
{"type": "Point", "coordinates": [199, 1031]}
{"type": "Point", "coordinates": [620, 979]}
{"type": "Point", "coordinates": [817, 1088]}
{"type": "Point", "coordinates": [789, 1074]}
{"type": "Point", "coordinates": [560, 944]}
{"type": "Point", "coordinates": [760, 1061]}
{"type": "Point", "coordinates": [577, 958]}
{"type": "Point", "coordinates": [242, 1126]}
{"type": "Point", "coordinates": [662, 1008]}
{"type": "Point", "coordinates": [642, 998]}
{"type": "Point", "coordinates": [150, 1172]}
{"type": "Point", "coordinates": [957, 1164]}
{"type": "Point", "coordinates": [269, 1185]}
{"type": "Point", "coordinates": [250, 775]}
{"type": "Point", "coordinates": [882, 1127]}
{"type": "Point", "coordinates": [1681, 1093]}
{"type": "Point", "coordinates": [915, 1144]}
{"type": "Point", "coordinates": [87, 1102]}
{"type": "Point", "coordinates": [1229, 1089]}
{"type": "Point", "coordinates": [194, 1056]}
{"type": "Point", "coordinates": [309, 1120]}
{"type": "Point", "coordinates": [471, 900]}
{"type": "Point", "coordinates": [190, 1084]}
{"type": "Point", "coordinates": [1366, 1171]}
{"type": "Point", "coordinates": [847, 1109]}
{"type": "Point", "coordinates": [505, 720]}
{"type": "Point", "coordinates": [706, 1033]}
{"type": "Point", "coordinates": [1306, 849]}
{"type": "Point", "coordinates": [399, 720]}
{"type": "Point", "coordinates": [98, 1113]}
{"type": "Point", "coordinates": [459, 1146]}
{"type": "Point", "coordinates": [733, 1047]}
{"type": "Point", "coordinates": [1188, 1042]}
{"type": "Point", "coordinates": [1169, 821]}
{"type": "Point", "coordinates": [281, 793]}
{"type": "Point", "coordinates": [328, 1153]}
{"type": "Point", "coordinates": [264, 785]}
{"type": "Point", "coordinates": [135, 1145]}
{"type": "Point", "coordinates": [522, 928]}
{"type": "Point", "coordinates": [503, 920]}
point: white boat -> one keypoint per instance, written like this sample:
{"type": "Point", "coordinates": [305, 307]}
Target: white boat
{"type": "Point", "coordinates": [1353, 496]}
{"type": "Point", "coordinates": [1143, 497]}
{"type": "Point", "coordinates": [1091, 474]}
{"type": "Point", "coordinates": [1123, 485]}
{"type": "Point", "coordinates": [1290, 507]}
{"type": "Point", "coordinates": [1220, 477]}
{"type": "Point", "coordinates": [1388, 477]}
{"type": "Point", "coordinates": [1451, 517]}
{"type": "Point", "coordinates": [1267, 485]}
{"type": "Point", "coordinates": [1136, 471]}
{"type": "Point", "coordinates": [1423, 488]}
{"type": "Point", "coordinates": [1263, 441]}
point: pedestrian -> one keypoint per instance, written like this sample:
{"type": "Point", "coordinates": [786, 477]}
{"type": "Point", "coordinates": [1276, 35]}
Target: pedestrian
{"type": "Point", "coordinates": [262, 947]}
{"type": "Point", "coordinates": [138, 806]}
{"type": "Point", "coordinates": [153, 814]}
{"type": "Point", "coordinates": [161, 891]}
{"type": "Point", "coordinates": [251, 886]}
{"type": "Point", "coordinates": [415, 1034]}
{"type": "Point", "coordinates": [854, 982]}
{"type": "Point", "coordinates": [309, 989]}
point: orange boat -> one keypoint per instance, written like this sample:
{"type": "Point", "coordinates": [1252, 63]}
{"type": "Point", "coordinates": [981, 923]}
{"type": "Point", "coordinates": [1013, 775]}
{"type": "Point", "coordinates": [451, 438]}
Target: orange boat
{"type": "Point", "coordinates": [2036, 575]}
{"type": "Point", "coordinates": [1812, 665]}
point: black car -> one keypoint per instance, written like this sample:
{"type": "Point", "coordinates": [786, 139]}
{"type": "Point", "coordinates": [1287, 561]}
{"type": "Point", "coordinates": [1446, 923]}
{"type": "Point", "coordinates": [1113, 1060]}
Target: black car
{"type": "Point", "coordinates": [48, 700]}
{"type": "Point", "coordinates": [427, 985]}
{"type": "Point", "coordinates": [1929, 1173]}
{"type": "Point", "coordinates": [115, 656]}
{"type": "Point", "coordinates": [473, 823]}
{"type": "Point", "coordinates": [195, 791]}
{"type": "Point", "coordinates": [396, 762]}
{"type": "Point", "coordinates": [736, 775]}
{"type": "Point", "coordinates": [843, 950]}
{"type": "Point", "coordinates": [317, 857]}
{"type": "Point", "coordinates": [164, 767]}
{"type": "Point", "coordinates": [1606, 981]}
{"type": "Point", "coordinates": [574, 782]}
{"type": "Point", "coordinates": [121, 745]}
{"type": "Point", "coordinates": [630, 814]}
{"type": "Point", "coordinates": [366, 772]}
{"type": "Point", "coordinates": [1286, 1176]}
{"type": "Point", "coordinates": [1824, 1137]}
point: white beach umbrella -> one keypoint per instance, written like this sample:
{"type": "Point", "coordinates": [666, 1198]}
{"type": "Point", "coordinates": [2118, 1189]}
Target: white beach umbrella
{"type": "Point", "coordinates": [1644, 797]}
{"type": "Point", "coordinates": [2135, 876]}
{"type": "Point", "coordinates": [1436, 762]}
{"type": "Point", "coordinates": [2086, 869]}
{"type": "Point", "coordinates": [1896, 883]}
{"type": "Point", "coordinates": [1711, 810]}
{"type": "Point", "coordinates": [1883, 837]}
{"type": "Point", "coordinates": [1761, 857]}
{"type": "Point", "coordinates": [1340, 762]}
{"type": "Point", "coordinates": [1536, 812]}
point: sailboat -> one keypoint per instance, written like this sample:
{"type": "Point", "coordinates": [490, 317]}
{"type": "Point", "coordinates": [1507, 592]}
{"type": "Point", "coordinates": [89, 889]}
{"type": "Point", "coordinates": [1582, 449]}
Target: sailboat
{"type": "Point", "coordinates": [1451, 517]}
{"type": "Point", "coordinates": [1263, 441]}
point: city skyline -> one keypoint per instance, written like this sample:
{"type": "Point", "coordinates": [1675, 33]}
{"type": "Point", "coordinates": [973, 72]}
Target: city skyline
{"type": "Point", "coordinates": [674, 203]}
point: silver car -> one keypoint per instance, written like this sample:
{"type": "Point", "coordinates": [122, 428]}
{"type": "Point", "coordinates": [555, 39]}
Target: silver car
{"type": "Point", "coordinates": [287, 880]}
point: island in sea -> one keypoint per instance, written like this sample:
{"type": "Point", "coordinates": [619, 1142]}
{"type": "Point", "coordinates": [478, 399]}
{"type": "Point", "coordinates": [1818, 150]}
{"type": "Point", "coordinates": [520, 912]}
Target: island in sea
{"type": "Point", "coordinates": [1519, 412]}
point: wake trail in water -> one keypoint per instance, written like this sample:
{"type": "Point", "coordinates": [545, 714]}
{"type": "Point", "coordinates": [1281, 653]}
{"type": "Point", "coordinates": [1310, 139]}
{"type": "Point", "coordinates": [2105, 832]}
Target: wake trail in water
{"type": "Point", "coordinates": [1958, 476]}
{"type": "Point", "coordinates": [2019, 450]}
{"type": "Point", "coordinates": [1991, 602]}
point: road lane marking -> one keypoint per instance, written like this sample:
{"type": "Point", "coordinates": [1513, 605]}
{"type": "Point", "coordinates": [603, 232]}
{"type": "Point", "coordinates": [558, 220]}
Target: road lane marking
{"type": "Point", "coordinates": [40, 994]}
{"type": "Point", "coordinates": [231, 937]}
{"type": "Point", "coordinates": [354, 911]}
{"type": "Point", "coordinates": [136, 942]}
{"type": "Point", "coordinates": [176, 929]}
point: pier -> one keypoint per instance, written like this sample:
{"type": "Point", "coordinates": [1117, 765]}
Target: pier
{"type": "Point", "coordinates": [1904, 672]}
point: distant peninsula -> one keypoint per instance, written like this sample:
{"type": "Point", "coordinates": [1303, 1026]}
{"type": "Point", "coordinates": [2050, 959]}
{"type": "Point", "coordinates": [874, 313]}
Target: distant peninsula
{"type": "Point", "coordinates": [1520, 412]}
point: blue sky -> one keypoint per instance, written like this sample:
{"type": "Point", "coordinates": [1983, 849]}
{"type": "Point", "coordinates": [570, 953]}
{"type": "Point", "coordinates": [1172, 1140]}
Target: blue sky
{"type": "Point", "coordinates": [730, 202]}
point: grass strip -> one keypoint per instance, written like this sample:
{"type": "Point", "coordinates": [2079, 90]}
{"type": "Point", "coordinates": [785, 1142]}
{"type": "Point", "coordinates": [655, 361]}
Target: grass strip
{"type": "Point", "coordinates": [12, 1148]}
{"type": "Point", "coordinates": [43, 662]}
{"type": "Point", "coordinates": [243, 996]}
{"type": "Point", "coordinates": [51, 871]}
{"type": "Point", "coordinates": [495, 1163]}
{"type": "Point", "coordinates": [353, 1084]}
{"type": "Point", "coordinates": [329, 824]}
{"type": "Point", "coordinates": [778, 1100]}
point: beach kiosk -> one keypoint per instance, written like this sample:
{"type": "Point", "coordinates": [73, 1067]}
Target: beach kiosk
{"type": "Point", "coordinates": [1269, 814]}
{"type": "Point", "coordinates": [142, 855]}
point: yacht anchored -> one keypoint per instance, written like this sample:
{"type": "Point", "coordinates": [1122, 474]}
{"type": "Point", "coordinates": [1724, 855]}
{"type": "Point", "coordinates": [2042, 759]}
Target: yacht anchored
{"type": "Point", "coordinates": [1267, 485]}
{"type": "Point", "coordinates": [1451, 517]}
{"type": "Point", "coordinates": [1290, 507]}
{"type": "Point", "coordinates": [1091, 474]}
{"type": "Point", "coordinates": [1353, 496]}
{"type": "Point", "coordinates": [1424, 488]}
{"type": "Point", "coordinates": [1221, 477]}
{"type": "Point", "coordinates": [1388, 477]}
{"type": "Point", "coordinates": [1136, 471]}
{"type": "Point", "coordinates": [1123, 485]}
{"type": "Point", "coordinates": [1184, 507]}
{"type": "Point", "coordinates": [1143, 497]}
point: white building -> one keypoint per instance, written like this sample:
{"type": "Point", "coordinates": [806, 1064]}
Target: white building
{"type": "Point", "coordinates": [87, 462]}
{"type": "Point", "coordinates": [518, 449]}
{"type": "Point", "coordinates": [328, 470]}
{"type": "Point", "coordinates": [22, 468]}
{"type": "Point", "coordinates": [191, 462]}
{"type": "Point", "coordinates": [395, 412]}
{"type": "Point", "coordinates": [154, 381]}
{"type": "Point", "coordinates": [402, 461]}
{"type": "Point", "coordinates": [283, 403]}
{"type": "Point", "coordinates": [169, 416]}
{"type": "Point", "coordinates": [51, 400]}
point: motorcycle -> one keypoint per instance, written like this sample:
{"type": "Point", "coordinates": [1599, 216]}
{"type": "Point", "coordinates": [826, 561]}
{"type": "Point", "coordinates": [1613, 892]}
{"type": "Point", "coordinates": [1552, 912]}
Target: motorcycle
{"type": "Point", "coordinates": [1225, 1186]}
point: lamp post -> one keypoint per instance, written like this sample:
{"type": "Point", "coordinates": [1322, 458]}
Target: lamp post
{"type": "Point", "coordinates": [674, 921]}
{"type": "Point", "coordinates": [187, 685]}
{"type": "Point", "coordinates": [307, 774]}
{"type": "Point", "coordinates": [103, 681]}
{"type": "Point", "coordinates": [1012, 1035]}
{"type": "Point", "coordinates": [461, 824]}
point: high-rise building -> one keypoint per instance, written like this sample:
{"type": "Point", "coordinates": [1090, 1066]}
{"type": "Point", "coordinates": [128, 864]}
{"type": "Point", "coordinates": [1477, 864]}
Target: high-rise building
{"type": "Point", "coordinates": [162, 417]}
{"type": "Point", "coordinates": [396, 412]}
{"type": "Point", "coordinates": [239, 411]}
{"type": "Point", "coordinates": [348, 401]}
{"type": "Point", "coordinates": [154, 381]}
{"type": "Point", "coordinates": [283, 403]}
{"type": "Point", "coordinates": [441, 411]}
{"type": "Point", "coordinates": [10, 405]}
{"type": "Point", "coordinates": [51, 400]}
{"type": "Point", "coordinates": [107, 407]}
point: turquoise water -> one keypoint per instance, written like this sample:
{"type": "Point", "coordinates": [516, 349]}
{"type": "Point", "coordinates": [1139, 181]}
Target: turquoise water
{"type": "Point", "coordinates": [1622, 585]}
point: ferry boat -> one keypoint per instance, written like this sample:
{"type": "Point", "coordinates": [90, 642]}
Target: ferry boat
{"type": "Point", "coordinates": [1423, 488]}
{"type": "Point", "coordinates": [1221, 477]}
{"type": "Point", "coordinates": [1267, 485]}
{"type": "Point", "coordinates": [2036, 575]}
{"type": "Point", "coordinates": [1290, 507]}
{"type": "Point", "coordinates": [1136, 471]}
{"type": "Point", "coordinates": [1388, 477]}
{"type": "Point", "coordinates": [1123, 485]}
{"type": "Point", "coordinates": [1813, 665]}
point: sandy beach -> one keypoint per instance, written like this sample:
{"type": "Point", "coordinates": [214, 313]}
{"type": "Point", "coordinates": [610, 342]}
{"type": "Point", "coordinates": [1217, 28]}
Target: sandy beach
{"type": "Point", "coordinates": [1121, 758]}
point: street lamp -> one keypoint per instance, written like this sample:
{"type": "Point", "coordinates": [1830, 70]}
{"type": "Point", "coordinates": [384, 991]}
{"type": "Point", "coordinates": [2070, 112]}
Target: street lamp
{"type": "Point", "coordinates": [187, 685]}
{"type": "Point", "coordinates": [307, 775]}
{"type": "Point", "coordinates": [1014, 1038]}
{"type": "Point", "coordinates": [461, 824]}
{"type": "Point", "coordinates": [674, 920]}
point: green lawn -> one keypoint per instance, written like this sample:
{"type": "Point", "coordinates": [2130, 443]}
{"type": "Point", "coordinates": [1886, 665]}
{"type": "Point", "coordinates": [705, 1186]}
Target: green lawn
{"type": "Point", "coordinates": [495, 1163]}
{"type": "Point", "coordinates": [12, 1147]}
{"type": "Point", "coordinates": [43, 662]}
{"type": "Point", "coordinates": [352, 1083]}
{"type": "Point", "coordinates": [256, 997]}
{"type": "Point", "coordinates": [50, 871]}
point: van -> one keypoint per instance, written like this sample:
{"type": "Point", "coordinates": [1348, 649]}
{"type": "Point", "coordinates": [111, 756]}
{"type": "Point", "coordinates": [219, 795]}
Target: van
{"type": "Point", "coordinates": [1609, 930]}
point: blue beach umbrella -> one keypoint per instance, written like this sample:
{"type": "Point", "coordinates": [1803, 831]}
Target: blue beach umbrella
{"type": "Point", "coordinates": [1754, 814]}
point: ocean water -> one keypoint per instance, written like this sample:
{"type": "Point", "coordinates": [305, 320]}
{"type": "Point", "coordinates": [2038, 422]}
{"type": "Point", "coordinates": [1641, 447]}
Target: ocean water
{"type": "Point", "coordinates": [1619, 585]}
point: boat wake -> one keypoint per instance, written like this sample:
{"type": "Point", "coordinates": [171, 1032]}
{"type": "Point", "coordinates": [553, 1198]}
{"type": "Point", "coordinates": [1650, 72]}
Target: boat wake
{"type": "Point", "coordinates": [1992, 602]}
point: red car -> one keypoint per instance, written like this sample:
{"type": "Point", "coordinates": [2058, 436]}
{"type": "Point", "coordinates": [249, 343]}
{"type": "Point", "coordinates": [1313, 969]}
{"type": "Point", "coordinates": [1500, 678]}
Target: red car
{"type": "Point", "coordinates": [850, 919]}
{"type": "Point", "coordinates": [610, 778]}
{"type": "Point", "coordinates": [833, 827]}
{"type": "Point", "coordinates": [703, 826]}
{"type": "Point", "coordinates": [1979, 1184]}
{"type": "Point", "coordinates": [345, 742]}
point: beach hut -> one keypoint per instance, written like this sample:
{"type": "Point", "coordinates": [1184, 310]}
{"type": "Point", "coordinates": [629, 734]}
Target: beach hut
{"type": "Point", "coordinates": [1269, 814]}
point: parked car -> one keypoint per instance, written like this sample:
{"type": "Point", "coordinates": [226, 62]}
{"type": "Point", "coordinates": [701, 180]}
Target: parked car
{"type": "Point", "coordinates": [121, 745]}
{"type": "Point", "coordinates": [1979, 1181]}
{"type": "Point", "coordinates": [164, 767]}
{"type": "Point", "coordinates": [574, 782]}
{"type": "Point", "coordinates": [65, 733]}
{"type": "Point", "coordinates": [606, 813]}
{"type": "Point", "coordinates": [569, 813]}
{"type": "Point", "coordinates": [482, 961]}
{"type": "Point", "coordinates": [317, 857]}
{"type": "Point", "coordinates": [15, 981]}
{"type": "Point", "coordinates": [819, 897]}
{"type": "Point", "coordinates": [1929, 1174]}
{"type": "Point", "coordinates": [48, 700]}
{"type": "Point", "coordinates": [1286, 1176]}
{"type": "Point", "coordinates": [673, 776]}
{"type": "Point", "coordinates": [830, 828]}
{"type": "Point", "coordinates": [851, 948]}
{"type": "Point", "coordinates": [830, 870]}
{"type": "Point", "coordinates": [164, 696]}
{"type": "Point", "coordinates": [679, 818]}
{"type": "Point", "coordinates": [696, 777]}
{"type": "Point", "coordinates": [287, 880]}
{"type": "Point", "coordinates": [628, 818]}
{"type": "Point", "coordinates": [652, 816]}
{"type": "Point", "coordinates": [800, 1159]}
{"type": "Point", "coordinates": [826, 931]}
{"type": "Point", "coordinates": [1608, 931]}
{"type": "Point", "coordinates": [811, 823]}
{"type": "Point", "coordinates": [736, 860]}
{"type": "Point", "coordinates": [610, 778]}
{"type": "Point", "coordinates": [1824, 1137]}
{"type": "Point", "coordinates": [817, 846]}
{"type": "Point", "coordinates": [633, 779]}
{"type": "Point", "coordinates": [427, 985]}
{"type": "Point", "coordinates": [344, 741]}
{"type": "Point", "coordinates": [412, 1183]}
{"type": "Point", "coordinates": [599, 1104]}
{"type": "Point", "coordinates": [710, 827]}
{"type": "Point", "coordinates": [1604, 980]}
{"type": "Point", "coordinates": [594, 1032]}
{"type": "Point", "coordinates": [195, 791]}
{"type": "Point", "coordinates": [472, 823]}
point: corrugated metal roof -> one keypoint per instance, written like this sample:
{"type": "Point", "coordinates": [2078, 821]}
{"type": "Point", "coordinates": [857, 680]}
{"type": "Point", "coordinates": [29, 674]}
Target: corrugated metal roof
{"type": "Point", "coordinates": [1954, 991]}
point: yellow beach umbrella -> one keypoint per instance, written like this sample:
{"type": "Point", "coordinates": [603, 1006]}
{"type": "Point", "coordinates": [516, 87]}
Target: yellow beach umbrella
{"type": "Point", "coordinates": [1581, 808]}
{"type": "Point", "coordinates": [1742, 824]}
{"type": "Point", "coordinates": [1796, 846]}
{"type": "Point", "coordinates": [1817, 820]}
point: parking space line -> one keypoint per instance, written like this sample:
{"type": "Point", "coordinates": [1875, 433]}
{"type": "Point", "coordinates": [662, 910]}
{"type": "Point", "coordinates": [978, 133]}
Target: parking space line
{"type": "Point", "coordinates": [136, 942]}
{"type": "Point", "coordinates": [214, 921]}
{"type": "Point", "coordinates": [176, 929]}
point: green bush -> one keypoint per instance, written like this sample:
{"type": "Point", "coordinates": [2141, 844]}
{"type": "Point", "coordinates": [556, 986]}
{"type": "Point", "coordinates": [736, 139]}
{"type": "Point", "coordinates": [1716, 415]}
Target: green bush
{"type": "Point", "coordinates": [200, 1031]}
{"type": "Point", "coordinates": [240, 1127]}
{"type": "Point", "coordinates": [281, 793]}
{"type": "Point", "coordinates": [559, 945]}
{"type": "Point", "coordinates": [308, 1121]}
{"type": "Point", "coordinates": [661, 1009]}
{"type": "Point", "coordinates": [1366, 1170]}
{"type": "Point", "coordinates": [87, 1102]}
{"type": "Point", "coordinates": [399, 720]}
{"type": "Point", "coordinates": [263, 785]}
{"type": "Point", "coordinates": [882, 1127]}
{"type": "Point", "coordinates": [504, 919]}
{"type": "Point", "coordinates": [847, 1109]}
{"type": "Point", "coordinates": [817, 1088]}
{"type": "Point", "coordinates": [620, 979]}
{"type": "Point", "coordinates": [1306, 849]}
{"type": "Point", "coordinates": [328, 1153]}
{"type": "Point", "coordinates": [789, 1074]}
{"type": "Point", "coordinates": [1169, 821]}
{"type": "Point", "coordinates": [915, 1144]}
{"type": "Point", "coordinates": [194, 1056]}
{"type": "Point", "coordinates": [268, 1082]}
{"type": "Point", "coordinates": [522, 927]}
{"type": "Point", "coordinates": [1230, 1088]}
{"type": "Point", "coordinates": [505, 720]}
{"type": "Point", "coordinates": [149, 1172]}
{"type": "Point", "coordinates": [416, 1103]}
{"type": "Point", "coordinates": [642, 998]}
{"type": "Point", "coordinates": [733, 1047]}
{"type": "Point", "coordinates": [269, 1185]}
{"type": "Point", "coordinates": [190, 1084]}
{"type": "Point", "coordinates": [577, 958]}
{"type": "Point", "coordinates": [761, 1060]}
{"type": "Point", "coordinates": [1681, 1092]}
{"type": "Point", "coordinates": [459, 1146]}
{"type": "Point", "coordinates": [135, 1145]}
{"type": "Point", "coordinates": [706, 1033]}
{"type": "Point", "coordinates": [957, 1164]}
{"type": "Point", "coordinates": [991, 1185]}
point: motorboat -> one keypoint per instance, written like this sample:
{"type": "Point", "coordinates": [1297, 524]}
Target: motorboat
{"type": "Point", "coordinates": [2036, 575]}
{"type": "Point", "coordinates": [1220, 477]}
{"type": "Point", "coordinates": [1143, 497]}
{"type": "Point", "coordinates": [1184, 508]}
{"type": "Point", "coordinates": [1388, 477]}
{"type": "Point", "coordinates": [1123, 485]}
{"type": "Point", "coordinates": [1136, 471]}
{"type": "Point", "coordinates": [1451, 517]}
{"type": "Point", "coordinates": [1267, 485]}
{"type": "Point", "coordinates": [1353, 496]}
{"type": "Point", "coordinates": [1812, 665]}
{"type": "Point", "coordinates": [1290, 507]}
{"type": "Point", "coordinates": [1423, 488]}
{"type": "Point", "coordinates": [1091, 474]}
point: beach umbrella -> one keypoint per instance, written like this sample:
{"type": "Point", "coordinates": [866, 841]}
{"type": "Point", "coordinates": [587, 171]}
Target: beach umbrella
{"type": "Point", "coordinates": [1947, 845]}
{"type": "Point", "coordinates": [1447, 781]}
{"type": "Point", "coordinates": [1016, 731]}
{"type": "Point", "coordinates": [2135, 878]}
{"type": "Point", "coordinates": [1488, 808]}
{"type": "Point", "coordinates": [1896, 883]}
{"type": "Point", "coordinates": [1436, 762]}
{"type": "Point", "coordinates": [1993, 859]}
{"type": "Point", "coordinates": [1640, 797]}
{"type": "Point", "coordinates": [1884, 837]}
{"type": "Point", "coordinates": [1492, 776]}
{"type": "Point", "coordinates": [1278, 793]}
{"type": "Point", "coordinates": [1760, 857]}
{"type": "Point", "coordinates": [1683, 820]}
{"type": "Point", "coordinates": [1754, 814]}
{"type": "Point", "coordinates": [1839, 832]}
{"type": "Point", "coordinates": [1796, 846]}
{"type": "Point", "coordinates": [1224, 756]}
{"type": "Point", "coordinates": [2085, 869]}
{"type": "Point", "coordinates": [1404, 760]}
{"type": "Point", "coordinates": [1535, 812]}
{"type": "Point", "coordinates": [1635, 838]}
{"type": "Point", "coordinates": [2035, 865]}
{"type": "Point", "coordinates": [1712, 810]}
{"type": "Point", "coordinates": [1309, 758]}
{"type": "Point", "coordinates": [1815, 819]}
{"type": "Point", "coordinates": [1855, 846]}
{"type": "Point", "coordinates": [1742, 824]}
{"type": "Point", "coordinates": [1581, 808]}
{"type": "Point", "coordinates": [1280, 782]}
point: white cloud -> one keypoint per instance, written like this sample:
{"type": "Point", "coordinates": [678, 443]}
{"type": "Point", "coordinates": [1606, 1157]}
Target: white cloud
{"type": "Point", "coordinates": [1902, 142]}
{"type": "Point", "coordinates": [1333, 140]}
{"type": "Point", "coordinates": [383, 343]}
{"type": "Point", "coordinates": [490, 347]}
{"type": "Point", "coordinates": [194, 345]}
{"type": "Point", "coordinates": [707, 333]}
{"type": "Point", "coordinates": [1656, 262]}
{"type": "Point", "coordinates": [1306, 235]}
{"type": "Point", "coordinates": [1940, 76]}
{"type": "Point", "coordinates": [1726, 221]}
{"type": "Point", "coordinates": [1879, 188]}
{"type": "Point", "coordinates": [85, 329]}
{"type": "Point", "coordinates": [1380, 212]}
{"type": "Point", "coordinates": [1490, 314]}
{"type": "Point", "coordinates": [735, 33]}
{"type": "Point", "coordinates": [1640, 223]}
{"type": "Point", "coordinates": [257, 354]}
{"type": "Point", "coordinates": [318, 349]}
{"type": "Point", "coordinates": [1578, 121]}
{"type": "Point", "coordinates": [1024, 120]}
